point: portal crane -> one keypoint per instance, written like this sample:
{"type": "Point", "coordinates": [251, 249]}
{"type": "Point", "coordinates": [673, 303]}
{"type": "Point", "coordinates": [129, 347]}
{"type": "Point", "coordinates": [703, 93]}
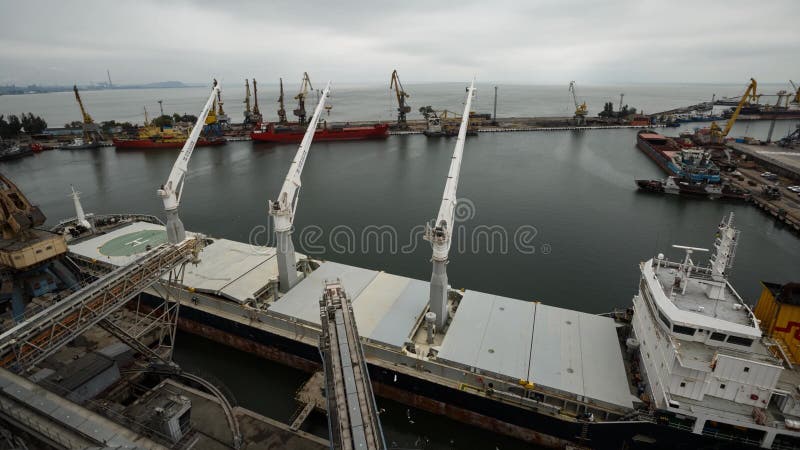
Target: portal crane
{"type": "Point", "coordinates": [300, 111]}
{"type": "Point", "coordinates": [402, 108]}
{"type": "Point", "coordinates": [440, 233]}
{"type": "Point", "coordinates": [172, 190]}
{"type": "Point", "coordinates": [256, 112]}
{"type": "Point", "coordinates": [282, 111]}
{"type": "Point", "coordinates": [282, 210]}
{"type": "Point", "coordinates": [717, 134]}
{"type": "Point", "coordinates": [581, 111]}
{"type": "Point", "coordinates": [247, 111]}
{"type": "Point", "coordinates": [796, 98]}
{"type": "Point", "coordinates": [89, 126]}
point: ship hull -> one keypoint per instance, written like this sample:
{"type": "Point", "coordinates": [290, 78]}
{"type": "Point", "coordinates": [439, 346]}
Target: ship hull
{"type": "Point", "coordinates": [379, 131]}
{"type": "Point", "coordinates": [149, 144]}
{"type": "Point", "coordinates": [540, 428]}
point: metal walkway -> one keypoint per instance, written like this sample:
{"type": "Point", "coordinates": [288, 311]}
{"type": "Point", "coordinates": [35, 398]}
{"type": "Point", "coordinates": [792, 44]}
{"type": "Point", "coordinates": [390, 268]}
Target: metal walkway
{"type": "Point", "coordinates": [40, 336]}
{"type": "Point", "coordinates": [352, 414]}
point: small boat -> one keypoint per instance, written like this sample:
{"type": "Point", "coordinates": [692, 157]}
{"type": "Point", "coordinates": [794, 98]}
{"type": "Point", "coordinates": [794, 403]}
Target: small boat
{"type": "Point", "coordinates": [682, 186]}
{"type": "Point", "coordinates": [14, 152]}
{"type": "Point", "coordinates": [80, 144]}
{"type": "Point", "coordinates": [270, 132]}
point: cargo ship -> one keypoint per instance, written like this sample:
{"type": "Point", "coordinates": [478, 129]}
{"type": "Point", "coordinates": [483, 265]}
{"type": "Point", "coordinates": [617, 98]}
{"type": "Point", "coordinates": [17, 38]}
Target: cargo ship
{"type": "Point", "coordinates": [693, 164]}
{"type": "Point", "coordinates": [129, 143]}
{"type": "Point", "coordinates": [271, 132]}
{"type": "Point", "coordinates": [653, 375]}
{"type": "Point", "coordinates": [676, 185]}
{"type": "Point", "coordinates": [765, 112]}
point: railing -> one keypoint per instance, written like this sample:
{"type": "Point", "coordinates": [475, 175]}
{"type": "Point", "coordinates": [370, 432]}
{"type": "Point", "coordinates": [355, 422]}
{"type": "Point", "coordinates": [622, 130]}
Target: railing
{"type": "Point", "coordinates": [33, 340]}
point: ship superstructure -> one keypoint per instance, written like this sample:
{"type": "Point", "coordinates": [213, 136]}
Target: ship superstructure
{"type": "Point", "coordinates": [704, 360]}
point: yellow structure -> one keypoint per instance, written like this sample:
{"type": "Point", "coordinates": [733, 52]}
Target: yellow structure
{"type": "Point", "coordinates": [778, 310]}
{"type": "Point", "coordinates": [750, 96]}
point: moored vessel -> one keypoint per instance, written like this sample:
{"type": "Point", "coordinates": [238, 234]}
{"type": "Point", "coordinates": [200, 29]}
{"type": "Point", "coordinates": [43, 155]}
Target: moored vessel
{"type": "Point", "coordinates": [270, 132]}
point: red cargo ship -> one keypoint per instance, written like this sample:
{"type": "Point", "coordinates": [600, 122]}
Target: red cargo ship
{"type": "Point", "coordinates": [288, 134]}
{"type": "Point", "coordinates": [162, 143]}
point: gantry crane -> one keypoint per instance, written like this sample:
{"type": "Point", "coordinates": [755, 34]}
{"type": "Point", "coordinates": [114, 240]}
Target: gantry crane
{"type": "Point", "coordinates": [172, 190]}
{"type": "Point", "coordinates": [581, 111]}
{"type": "Point", "coordinates": [402, 108]}
{"type": "Point", "coordinates": [440, 233]}
{"type": "Point", "coordinates": [91, 132]}
{"type": "Point", "coordinates": [282, 210]}
{"type": "Point", "coordinates": [718, 134]}
{"type": "Point", "coordinates": [300, 111]}
{"type": "Point", "coordinates": [796, 98]}
{"type": "Point", "coordinates": [282, 111]}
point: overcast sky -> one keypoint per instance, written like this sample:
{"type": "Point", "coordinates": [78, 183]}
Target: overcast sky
{"type": "Point", "coordinates": [536, 42]}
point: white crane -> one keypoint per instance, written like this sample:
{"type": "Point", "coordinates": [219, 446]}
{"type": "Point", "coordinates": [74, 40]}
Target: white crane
{"type": "Point", "coordinates": [79, 214]}
{"type": "Point", "coordinates": [172, 190]}
{"type": "Point", "coordinates": [282, 210]}
{"type": "Point", "coordinates": [440, 234]}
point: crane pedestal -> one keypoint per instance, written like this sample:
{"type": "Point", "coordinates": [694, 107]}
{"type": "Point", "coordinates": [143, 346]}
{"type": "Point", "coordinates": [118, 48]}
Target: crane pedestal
{"type": "Point", "coordinates": [175, 230]}
{"type": "Point", "coordinates": [287, 262]}
{"type": "Point", "coordinates": [438, 300]}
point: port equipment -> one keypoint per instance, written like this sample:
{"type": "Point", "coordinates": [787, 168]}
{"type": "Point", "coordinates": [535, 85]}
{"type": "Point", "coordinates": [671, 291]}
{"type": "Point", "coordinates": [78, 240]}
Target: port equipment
{"type": "Point", "coordinates": [353, 421]}
{"type": "Point", "coordinates": [247, 111]}
{"type": "Point", "coordinates": [281, 110]}
{"type": "Point", "coordinates": [172, 190]}
{"type": "Point", "coordinates": [282, 210]}
{"type": "Point", "coordinates": [718, 134]}
{"type": "Point", "coordinates": [91, 132]}
{"type": "Point", "coordinates": [38, 337]}
{"type": "Point", "coordinates": [402, 108]}
{"type": "Point", "coordinates": [440, 233]}
{"type": "Point", "coordinates": [256, 116]}
{"type": "Point", "coordinates": [796, 89]}
{"type": "Point", "coordinates": [300, 111]}
{"type": "Point", "coordinates": [581, 111]}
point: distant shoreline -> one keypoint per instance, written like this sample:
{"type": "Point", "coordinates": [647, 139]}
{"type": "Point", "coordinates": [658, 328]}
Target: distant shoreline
{"type": "Point", "coordinates": [35, 89]}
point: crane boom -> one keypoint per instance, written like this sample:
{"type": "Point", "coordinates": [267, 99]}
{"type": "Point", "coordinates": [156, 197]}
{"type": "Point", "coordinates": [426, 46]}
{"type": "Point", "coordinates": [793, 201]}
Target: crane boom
{"type": "Point", "coordinates": [300, 111]}
{"type": "Point", "coordinates": [282, 210]}
{"type": "Point", "coordinates": [580, 109]}
{"type": "Point", "coordinates": [282, 109]}
{"type": "Point", "coordinates": [440, 234]}
{"type": "Point", "coordinates": [256, 112]}
{"type": "Point", "coordinates": [87, 119]}
{"type": "Point", "coordinates": [247, 97]}
{"type": "Point", "coordinates": [402, 108]}
{"type": "Point", "coordinates": [172, 190]}
{"type": "Point", "coordinates": [750, 92]}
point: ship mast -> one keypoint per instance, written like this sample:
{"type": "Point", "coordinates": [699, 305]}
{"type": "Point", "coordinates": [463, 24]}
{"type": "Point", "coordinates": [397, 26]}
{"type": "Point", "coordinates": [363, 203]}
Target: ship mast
{"type": "Point", "coordinates": [283, 209]}
{"type": "Point", "coordinates": [440, 234]}
{"type": "Point", "coordinates": [172, 190]}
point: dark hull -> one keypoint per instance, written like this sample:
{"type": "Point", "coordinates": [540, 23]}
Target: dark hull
{"type": "Point", "coordinates": [540, 428]}
{"type": "Point", "coordinates": [379, 131]}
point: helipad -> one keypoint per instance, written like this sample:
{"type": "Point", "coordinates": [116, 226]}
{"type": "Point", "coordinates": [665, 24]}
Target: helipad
{"type": "Point", "coordinates": [133, 243]}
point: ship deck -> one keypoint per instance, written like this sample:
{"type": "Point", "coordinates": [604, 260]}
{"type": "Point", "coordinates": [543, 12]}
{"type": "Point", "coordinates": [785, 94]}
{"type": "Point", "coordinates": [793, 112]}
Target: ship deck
{"type": "Point", "coordinates": [561, 349]}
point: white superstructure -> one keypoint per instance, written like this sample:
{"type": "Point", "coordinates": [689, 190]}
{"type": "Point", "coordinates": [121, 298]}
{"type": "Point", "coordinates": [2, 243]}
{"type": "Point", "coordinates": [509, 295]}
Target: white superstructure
{"type": "Point", "coordinates": [701, 348]}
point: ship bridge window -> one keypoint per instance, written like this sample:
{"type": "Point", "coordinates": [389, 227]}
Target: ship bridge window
{"type": "Point", "coordinates": [683, 330]}
{"type": "Point", "coordinates": [740, 341]}
{"type": "Point", "coordinates": [718, 336]}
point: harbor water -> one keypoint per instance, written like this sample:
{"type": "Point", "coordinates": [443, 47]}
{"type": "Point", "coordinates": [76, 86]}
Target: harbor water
{"type": "Point", "coordinates": [546, 216]}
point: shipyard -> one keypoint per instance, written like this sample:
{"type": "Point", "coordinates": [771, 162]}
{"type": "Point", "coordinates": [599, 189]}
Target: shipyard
{"type": "Point", "coordinates": [570, 245]}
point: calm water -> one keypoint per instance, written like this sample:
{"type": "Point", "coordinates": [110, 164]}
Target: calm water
{"type": "Point", "coordinates": [576, 190]}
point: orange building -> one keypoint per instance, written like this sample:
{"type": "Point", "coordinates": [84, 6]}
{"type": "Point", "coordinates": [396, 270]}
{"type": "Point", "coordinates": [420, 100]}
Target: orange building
{"type": "Point", "coordinates": [778, 310]}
